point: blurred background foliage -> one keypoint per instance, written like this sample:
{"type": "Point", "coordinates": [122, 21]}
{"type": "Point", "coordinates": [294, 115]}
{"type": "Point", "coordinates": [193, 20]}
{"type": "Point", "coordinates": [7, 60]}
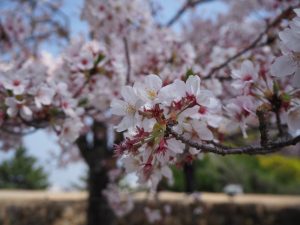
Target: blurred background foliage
{"type": "Point", "coordinates": [22, 172]}
{"type": "Point", "coordinates": [274, 174]}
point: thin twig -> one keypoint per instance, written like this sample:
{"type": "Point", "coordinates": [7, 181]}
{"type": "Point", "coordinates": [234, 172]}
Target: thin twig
{"type": "Point", "coordinates": [127, 54]}
{"type": "Point", "coordinates": [187, 5]}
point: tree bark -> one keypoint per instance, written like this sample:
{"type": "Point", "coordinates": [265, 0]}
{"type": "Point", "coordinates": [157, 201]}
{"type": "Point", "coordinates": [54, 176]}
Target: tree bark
{"type": "Point", "coordinates": [98, 157]}
{"type": "Point", "coordinates": [98, 211]}
{"type": "Point", "coordinates": [189, 175]}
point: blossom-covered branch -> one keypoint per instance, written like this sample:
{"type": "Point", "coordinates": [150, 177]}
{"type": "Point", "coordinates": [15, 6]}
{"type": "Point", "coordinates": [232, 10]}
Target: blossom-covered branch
{"type": "Point", "coordinates": [271, 147]}
{"type": "Point", "coordinates": [255, 43]}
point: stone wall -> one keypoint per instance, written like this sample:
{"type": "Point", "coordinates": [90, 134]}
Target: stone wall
{"type": "Point", "coordinates": [175, 209]}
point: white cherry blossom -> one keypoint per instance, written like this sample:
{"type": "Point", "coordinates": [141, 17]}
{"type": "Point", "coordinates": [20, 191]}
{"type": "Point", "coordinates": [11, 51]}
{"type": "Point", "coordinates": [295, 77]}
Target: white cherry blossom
{"type": "Point", "coordinates": [127, 108]}
{"type": "Point", "coordinates": [245, 76]}
{"type": "Point", "coordinates": [15, 106]}
{"type": "Point", "coordinates": [293, 120]}
{"type": "Point", "coordinates": [289, 62]}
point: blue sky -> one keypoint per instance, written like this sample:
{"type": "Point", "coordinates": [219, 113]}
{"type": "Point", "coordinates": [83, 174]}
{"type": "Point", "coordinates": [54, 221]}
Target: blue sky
{"type": "Point", "coordinates": [41, 144]}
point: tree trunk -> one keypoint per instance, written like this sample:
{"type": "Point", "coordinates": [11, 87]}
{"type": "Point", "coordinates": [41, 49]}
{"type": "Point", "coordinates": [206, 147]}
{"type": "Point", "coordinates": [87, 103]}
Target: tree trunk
{"type": "Point", "coordinates": [99, 160]}
{"type": "Point", "coordinates": [189, 175]}
{"type": "Point", "coordinates": [98, 211]}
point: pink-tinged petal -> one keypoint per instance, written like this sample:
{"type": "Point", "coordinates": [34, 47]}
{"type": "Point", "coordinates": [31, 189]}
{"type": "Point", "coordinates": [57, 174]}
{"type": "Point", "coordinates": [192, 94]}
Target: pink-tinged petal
{"type": "Point", "coordinates": [12, 112]}
{"type": "Point", "coordinates": [127, 121]}
{"type": "Point", "coordinates": [153, 82]}
{"type": "Point", "coordinates": [293, 120]}
{"type": "Point", "coordinates": [11, 102]}
{"type": "Point", "coordinates": [248, 68]}
{"type": "Point", "coordinates": [296, 78]}
{"type": "Point", "coordinates": [204, 98]}
{"type": "Point", "coordinates": [236, 74]}
{"type": "Point", "coordinates": [130, 164]}
{"type": "Point", "coordinates": [175, 146]}
{"type": "Point", "coordinates": [26, 113]}
{"type": "Point", "coordinates": [194, 151]}
{"type": "Point", "coordinates": [238, 84]}
{"type": "Point", "coordinates": [203, 132]}
{"type": "Point", "coordinates": [118, 107]}
{"type": "Point", "coordinates": [174, 91]}
{"type": "Point", "coordinates": [167, 172]}
{"type": "Point", "coordinates": [283, 66]}
{"type": "Point", "coordinates": [193, 85]}
{"type": "Point", "coordinates": [129, 95]}
{"type": "Point", "coordinates": [291, 39]}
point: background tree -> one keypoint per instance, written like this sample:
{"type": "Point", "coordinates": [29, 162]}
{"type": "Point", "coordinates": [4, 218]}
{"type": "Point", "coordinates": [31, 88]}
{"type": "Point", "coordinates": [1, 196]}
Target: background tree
{"type": "Point", "coordinates": [22, 172]}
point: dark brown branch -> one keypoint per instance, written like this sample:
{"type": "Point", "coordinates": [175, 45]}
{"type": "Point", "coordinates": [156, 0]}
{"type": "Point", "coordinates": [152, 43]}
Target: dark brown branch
{"type": "Point", "coordinates": [127, 55]}
{"type": "Point", "coordinates": [187, 5]}
{"type": "Point", "coordinates": [225, 150]}
{"type": "Point", "coordinates": [278, 123]}
{"type": "Point", "coordinates": [263, 128]}
{"type": "Point", "coordinates": [240, 53]}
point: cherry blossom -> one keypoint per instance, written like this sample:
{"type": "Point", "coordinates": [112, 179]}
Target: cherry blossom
{"type": "Point", "coordinates": [15, 106]}
{"type": "Point", "coordinates": [293, 120]}
{"type": "Point", "coordinates": [239, 110]}
{"type": "Point", "coordinates": [244, 77]}
{"type": "Point", "coordinates": [173, 95]}
{"type": "Point", "coordinates": [71, 129]}
{"type": "Point", "coordinates": [289, 62]}
{"type": "Point", "coordinates": [128, 108]}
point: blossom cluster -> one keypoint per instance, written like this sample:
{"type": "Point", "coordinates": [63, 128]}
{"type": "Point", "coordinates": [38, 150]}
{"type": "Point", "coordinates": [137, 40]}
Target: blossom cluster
{"type": "Point", "coordinates": [288, 65]}
{"type": "Point", "coordinates": [154, 108]}
{"type": "Point", "coordinates": [199, 92]}
{"type": "Point", "coordinates": [149, 109]}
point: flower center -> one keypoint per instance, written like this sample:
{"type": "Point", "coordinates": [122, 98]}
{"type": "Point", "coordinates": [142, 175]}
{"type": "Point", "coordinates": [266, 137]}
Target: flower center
{"type": "Point", "coordinates": [247, 77]}
{"type": "Point", "coordinates": [130, 109]}
{"type": "Point", "coordinates": [151, 94]}
{"type": "Point", "coordinates": [16, 83]}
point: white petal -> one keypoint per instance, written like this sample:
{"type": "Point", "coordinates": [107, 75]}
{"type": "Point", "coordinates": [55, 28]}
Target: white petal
{"type": "Point", "coordinates": [204, 98]}
{"type": "Point", "coordinates": [291, 39]}
{"type": "Point", "coordinates": [283, 66]}
{"type": "Point", "coordinates": [203, 132]}
{"type": "Point", "coordinates": [26, 113]}
{"type": "Point", "coordinates": [12, 112]}
{"type": "Point", "coordinates": [296, 78]}
{"type": "Point", "coordinates": [167, 172]}
{"type": "Point", "coordinates": [193, 85]}
{"type": "Point", "coordinates": [175, 146]}
{"type": "Point", "coordinates": [127, 122]}
{"type": "Point", "coordinates": [153, 82]}
{"type": "Point", "coordinates": [194, 151]}
{"type": "Point", "coordinates": [129, 95]}
{"type": "Point", "coordinates": [293, 120]}
{"type": "Point", "coordinates": [118, 107]}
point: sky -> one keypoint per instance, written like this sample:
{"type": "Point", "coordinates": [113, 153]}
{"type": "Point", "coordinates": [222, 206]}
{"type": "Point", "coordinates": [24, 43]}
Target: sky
{"type": "Point", "coordinates": [41, 144]}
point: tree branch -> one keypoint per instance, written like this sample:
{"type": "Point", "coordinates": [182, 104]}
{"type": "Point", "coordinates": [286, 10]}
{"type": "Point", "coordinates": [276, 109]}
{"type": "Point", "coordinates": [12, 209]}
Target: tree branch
{"type": "Point", "coordinates": [254, 43]}
{"type": "Point", "coordinates": [263, 128]}
{"type": "Point", "coordinates": [187, 5]}
{"type": "Point", "coordinates": [225, 150]}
